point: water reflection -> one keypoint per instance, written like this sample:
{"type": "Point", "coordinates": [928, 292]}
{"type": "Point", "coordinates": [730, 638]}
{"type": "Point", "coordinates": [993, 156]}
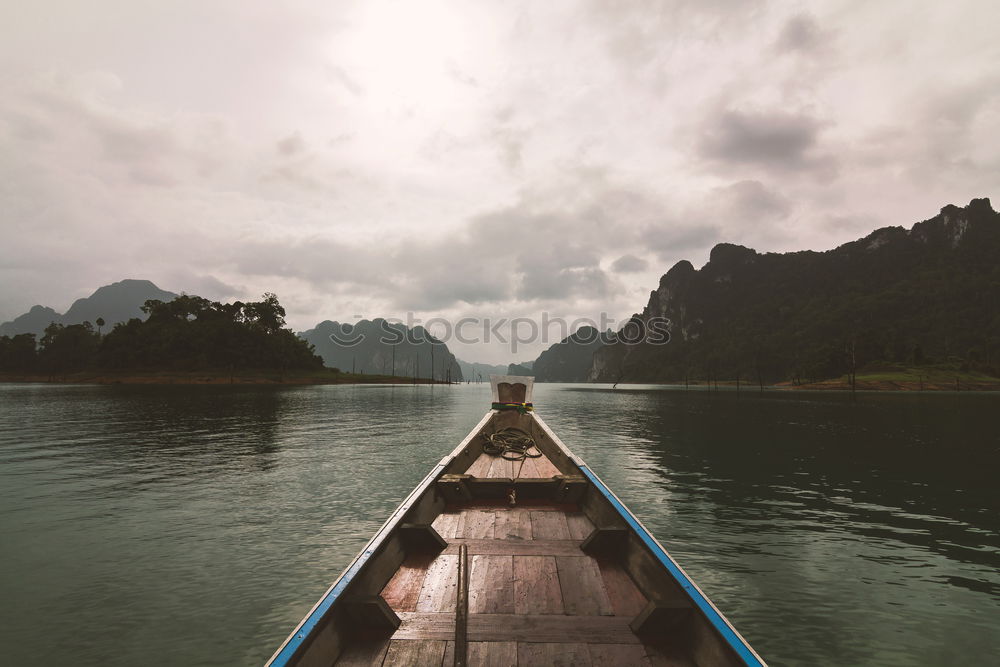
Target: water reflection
{"type": "Point", "coordinates": [816, 513]}
{"type": "Point", "coordinates": [195, 525]}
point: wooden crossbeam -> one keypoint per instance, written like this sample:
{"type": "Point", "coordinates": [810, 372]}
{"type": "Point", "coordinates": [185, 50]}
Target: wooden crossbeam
{"type": "Point", "coordinates": [372, 612]}
{"type": "Point", "coordinates": [606, 542]}
{"type": "Point", "coordinates": [659, 617]}
{"type": "Point", "coordinates": [421, 538]}
{"type": "Point", "coordinates": [519, 627]}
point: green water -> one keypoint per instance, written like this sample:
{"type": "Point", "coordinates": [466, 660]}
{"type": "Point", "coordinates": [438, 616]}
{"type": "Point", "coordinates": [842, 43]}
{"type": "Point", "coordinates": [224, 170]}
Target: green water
{"type": "Point", "coordinates": [197, 525]}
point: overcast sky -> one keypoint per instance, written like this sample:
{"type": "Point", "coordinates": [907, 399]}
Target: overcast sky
{"type": "Point", "coordinates": [486, 159]}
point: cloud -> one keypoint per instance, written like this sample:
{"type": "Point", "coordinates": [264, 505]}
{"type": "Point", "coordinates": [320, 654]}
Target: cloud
{"type": "Point", "coordinates": [751, 201]}
{"type": "Point", "coordinates": [291, 145]}
{"type": "Point", "coordinates": [207, 286]}
{"type": "Point", "coordinates": [372, 157]}
{"type": "Point", "coordinates": [801, 34]}
{"type": "Point", "coordinates": [773, 139]}
{"type": "Point", "coordinates": [679, 238]}
{"type": "Point", "coordinates": [629, 264]}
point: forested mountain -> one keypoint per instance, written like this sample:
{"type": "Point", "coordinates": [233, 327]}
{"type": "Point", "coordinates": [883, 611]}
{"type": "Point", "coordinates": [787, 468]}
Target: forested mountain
{"type": "Point", "coordinates": [918, 296]}
{"type": "Point", "coordinates": [114, 303]}
{"type": "Point", "coordinates": [571, 359]}
{"type": "Point", "coordinates": [378, 346]}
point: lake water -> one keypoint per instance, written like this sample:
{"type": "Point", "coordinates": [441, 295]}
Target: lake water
{"type": "Point", "coordinates": [197, 525]}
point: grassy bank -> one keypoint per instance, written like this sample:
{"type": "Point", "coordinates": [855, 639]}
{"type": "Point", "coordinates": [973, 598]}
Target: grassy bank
{"type": "Point", "coordinates": [255, 377]}
{"type": "Point", "coordinates": [889, 377]}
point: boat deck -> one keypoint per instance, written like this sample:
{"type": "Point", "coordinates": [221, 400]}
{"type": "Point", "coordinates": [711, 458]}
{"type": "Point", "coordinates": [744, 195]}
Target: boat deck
{"type": "Point", "coordinates": [534, 598]}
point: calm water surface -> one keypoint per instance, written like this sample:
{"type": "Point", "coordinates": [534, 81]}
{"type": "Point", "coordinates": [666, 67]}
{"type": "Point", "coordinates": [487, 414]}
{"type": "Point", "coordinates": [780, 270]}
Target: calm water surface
{"type": "Point", "coordinates": [197, 525]}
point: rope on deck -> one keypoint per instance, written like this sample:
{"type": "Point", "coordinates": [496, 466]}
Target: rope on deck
{"type": "Point", "coordinates": [512, 444]}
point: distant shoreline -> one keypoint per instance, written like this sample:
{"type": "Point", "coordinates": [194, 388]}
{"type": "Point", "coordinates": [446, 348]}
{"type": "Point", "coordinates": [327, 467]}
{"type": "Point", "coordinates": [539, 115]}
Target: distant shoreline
{"type": "Point", "coordinates": [262, 378]}
{"type": "Point", "coordinates": [892, 385]}
{"type": "Point", "coordinates": [876, 377]}
{"type": "Point", "coordinates": [212, 378]}
{"type": "Point", "coordinates": [840, 385]}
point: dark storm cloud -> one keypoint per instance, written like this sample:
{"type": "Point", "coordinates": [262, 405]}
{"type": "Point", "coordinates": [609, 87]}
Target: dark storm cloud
{"type": "Point", "coordinates": [629, 264]}
{"type": "Point", "coordinates": [775, 140]}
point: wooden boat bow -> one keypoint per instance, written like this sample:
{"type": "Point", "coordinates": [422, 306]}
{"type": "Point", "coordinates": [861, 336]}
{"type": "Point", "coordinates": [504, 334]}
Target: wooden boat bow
{"type": "Point", "coordinates": [502, 559]}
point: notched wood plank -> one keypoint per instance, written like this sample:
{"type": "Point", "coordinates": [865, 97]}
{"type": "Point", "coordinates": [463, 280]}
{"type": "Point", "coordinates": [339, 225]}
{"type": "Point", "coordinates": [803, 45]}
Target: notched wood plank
{"type": "Point", "coordinates": [403, 589]}
{"type": "Point", "coordinates": [446, 524]}
{"type": "Point", "coordinates": [582, 586]}
{"type": "Point", "coordinates": [536, 585]}
{"type": "Point", "coordinates": [491, 585]}
{"type": "Point", "coordinates": [440, 585]}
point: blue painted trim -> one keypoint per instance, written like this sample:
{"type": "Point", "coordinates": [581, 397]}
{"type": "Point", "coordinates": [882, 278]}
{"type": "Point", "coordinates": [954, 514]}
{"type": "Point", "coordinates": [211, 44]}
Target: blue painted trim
{"type": "Point", "coordinates": [309, 624]}
{"type": "Point", "coordinates": [707, 608]}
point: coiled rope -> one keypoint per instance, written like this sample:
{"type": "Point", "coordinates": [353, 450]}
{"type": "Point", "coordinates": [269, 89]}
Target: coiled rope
{"type": "Point", "coordinates": [512, 444]}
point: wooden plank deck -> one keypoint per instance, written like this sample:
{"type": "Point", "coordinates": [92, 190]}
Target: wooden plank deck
{"type": "Point", "coordinates": [496, 467]}
{"type": "Point", "coordinates": [534, 597]}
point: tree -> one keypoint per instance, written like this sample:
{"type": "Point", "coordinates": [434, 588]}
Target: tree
{"type": "Point", "coordinates": [100, 323]}
{"type": "Point", "coordinates": [18, 353]}
{"type": "Point", "coordinates": [68, 349]}
{"type": "Point", "coordinates": [191, 333]}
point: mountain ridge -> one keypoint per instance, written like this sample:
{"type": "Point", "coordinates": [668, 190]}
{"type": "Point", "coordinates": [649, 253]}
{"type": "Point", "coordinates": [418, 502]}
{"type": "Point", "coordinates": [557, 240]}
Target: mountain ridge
{"type": "Point", "coordinates": [931, 291]}
{"type": "Point", "coordinates": [379, 346]}
{"type": "Point", "coordinates": [114, 303]}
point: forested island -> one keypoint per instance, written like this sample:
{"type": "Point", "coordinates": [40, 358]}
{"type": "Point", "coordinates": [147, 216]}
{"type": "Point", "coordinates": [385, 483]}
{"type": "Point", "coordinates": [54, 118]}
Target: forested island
{"type": "Point", "coordinates": [186, 339]}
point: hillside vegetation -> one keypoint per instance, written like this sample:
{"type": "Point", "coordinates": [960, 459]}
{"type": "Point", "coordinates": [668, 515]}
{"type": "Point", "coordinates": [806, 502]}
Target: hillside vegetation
{"type": "Point", "coordinates": [188, 333]}
{"type": "Point", "coordinates": [927, 297]}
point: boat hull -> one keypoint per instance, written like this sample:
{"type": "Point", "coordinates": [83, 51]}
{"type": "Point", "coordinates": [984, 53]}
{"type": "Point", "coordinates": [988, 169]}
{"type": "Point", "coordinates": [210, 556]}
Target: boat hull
{"type": "Point", "coordinates": [514, 557]}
